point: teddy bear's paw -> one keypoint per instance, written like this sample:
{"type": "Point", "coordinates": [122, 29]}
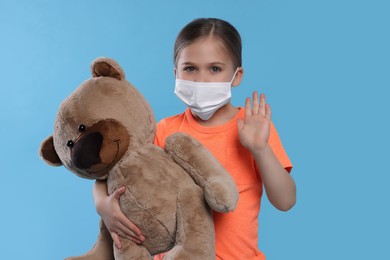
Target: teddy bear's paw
{"type": "Point", "coordinates": [220, 195]}
{"type": "Point", "coordinates": [193, 252]}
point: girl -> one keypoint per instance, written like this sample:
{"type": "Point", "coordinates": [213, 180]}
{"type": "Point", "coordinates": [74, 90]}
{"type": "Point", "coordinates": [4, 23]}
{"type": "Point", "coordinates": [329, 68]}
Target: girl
{"type": "Point", "coordinates": [207, 59]}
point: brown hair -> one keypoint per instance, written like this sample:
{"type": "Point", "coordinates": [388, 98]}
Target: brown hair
{"type": "Point", "coordinates": [203, 27]}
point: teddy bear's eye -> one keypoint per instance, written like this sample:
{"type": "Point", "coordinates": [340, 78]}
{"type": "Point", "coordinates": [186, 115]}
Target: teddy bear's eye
{"type": "Point", "coordinates": [70, 143]}
{"type": "Point", "coordinates": [82, 128]}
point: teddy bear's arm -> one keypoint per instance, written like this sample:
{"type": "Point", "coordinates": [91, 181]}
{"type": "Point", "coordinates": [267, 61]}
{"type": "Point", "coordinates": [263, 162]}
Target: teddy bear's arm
{"type": "Point", "coordinates": [220, 190]}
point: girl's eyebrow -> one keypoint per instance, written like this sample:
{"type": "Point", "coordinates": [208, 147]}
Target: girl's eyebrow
{"type": "Point", "coordinates": [186, 63]}
{"type": "Point", "coordinates": [217, 63]}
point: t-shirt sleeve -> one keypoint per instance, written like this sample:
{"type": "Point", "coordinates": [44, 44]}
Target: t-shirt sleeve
{"type": "Point", "coordinates": [160, 134]}
{"type": "Point", "coordinates": [278, 149]}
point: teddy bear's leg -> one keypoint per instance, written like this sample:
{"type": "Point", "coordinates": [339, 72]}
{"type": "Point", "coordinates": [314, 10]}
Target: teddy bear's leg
{"type": "Point", "coordinates": [220, 190]}
{"type": "Point", "coordinates": [102, 250]}
{"type": "Point", "coordinates": [195, 237]}
{"type": "Point", "coordinates": [131, 251]}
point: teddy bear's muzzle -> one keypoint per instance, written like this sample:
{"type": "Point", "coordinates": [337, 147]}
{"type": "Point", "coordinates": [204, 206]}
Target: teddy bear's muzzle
{"type": "Point", "coordinates": [85, 152]}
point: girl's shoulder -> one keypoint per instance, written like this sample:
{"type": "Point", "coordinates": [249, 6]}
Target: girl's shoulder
{"type": "Point", "coordinates": [167, 121]}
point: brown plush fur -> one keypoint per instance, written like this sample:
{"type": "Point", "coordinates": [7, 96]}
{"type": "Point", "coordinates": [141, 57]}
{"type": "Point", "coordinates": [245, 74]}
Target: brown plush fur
{"type": "Point", "coordinates": [105, 130]}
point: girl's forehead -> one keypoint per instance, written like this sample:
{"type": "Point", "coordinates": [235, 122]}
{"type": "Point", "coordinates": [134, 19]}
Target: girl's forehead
{"type": "Point", "coordinates": [205, 49]}
{"type": "Point", "coordinates": [208, 42]}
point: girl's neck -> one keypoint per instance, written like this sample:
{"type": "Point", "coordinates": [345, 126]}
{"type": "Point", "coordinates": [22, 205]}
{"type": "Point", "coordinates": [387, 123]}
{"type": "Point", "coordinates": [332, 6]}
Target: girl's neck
{"type": "Point", "coordinates": [220, 117]}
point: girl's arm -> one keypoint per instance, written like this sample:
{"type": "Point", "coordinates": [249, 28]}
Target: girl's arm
{"type": "Point", "coordinates": [278, 183]}
{"type": "Point", "coordinates": [254, 133]}
{"type": "Point", "coordinates": [116, 222]}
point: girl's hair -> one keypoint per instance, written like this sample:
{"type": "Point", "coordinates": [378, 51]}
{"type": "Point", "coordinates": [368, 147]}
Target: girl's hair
{"type": "Point", "coordinates": [203, 27]}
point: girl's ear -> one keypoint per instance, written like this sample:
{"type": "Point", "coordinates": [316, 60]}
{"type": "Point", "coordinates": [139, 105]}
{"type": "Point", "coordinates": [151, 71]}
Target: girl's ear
{"type": "Point", "coordinates": [237, 79]}
{"type": "Point", "coordinates": [175, 72]}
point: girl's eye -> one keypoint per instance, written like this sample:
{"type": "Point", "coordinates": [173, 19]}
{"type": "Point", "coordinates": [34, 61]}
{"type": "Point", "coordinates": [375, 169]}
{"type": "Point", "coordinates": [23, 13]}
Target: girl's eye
{"type": "Point", "coordinates": [189, 69]}
{"type": "Point", "coordinates": [215, 69]}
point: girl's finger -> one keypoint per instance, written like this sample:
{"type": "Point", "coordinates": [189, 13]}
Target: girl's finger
{"type": "Point", "coordinates": [136, 241]}
{"type": "Point", "coordinates": [116, 240]}
{"type": "Point", "coordinates": [248, 111]}
{"type": "Point", "coordinates": [116, 237]}
{"type": "Point", "coordinates": [268, 111]}
{"type": "Point", "coordinates": [255, 105]}
{"type": "Point", "coordinates": [125, 232]}
{"type": "Point", "coordinates": [119, 192]}
{"type": "Point", "coordinates": [131, 228]}
{"type": "Point", "coordinates": [132, 238]}
{"type": "Point", "coordinates": [262, 104]}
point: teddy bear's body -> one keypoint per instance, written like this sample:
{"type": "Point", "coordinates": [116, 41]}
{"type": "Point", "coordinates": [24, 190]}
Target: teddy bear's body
{"type": "Point", "coordinates": [155, 214]}
{"type": "Point", "coordinates": [105, 130]}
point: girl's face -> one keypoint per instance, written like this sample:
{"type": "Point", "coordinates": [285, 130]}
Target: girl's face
{"type": "Point", "coordinates": [206, 60]}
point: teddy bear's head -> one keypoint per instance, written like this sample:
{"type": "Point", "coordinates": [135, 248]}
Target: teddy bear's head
{"type": "Point", "coordinates": [99, 123]}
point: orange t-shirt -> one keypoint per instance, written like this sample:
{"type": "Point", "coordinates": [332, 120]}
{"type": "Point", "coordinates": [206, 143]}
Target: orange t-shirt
{"type": "Point", "coordinates": [236, 232]}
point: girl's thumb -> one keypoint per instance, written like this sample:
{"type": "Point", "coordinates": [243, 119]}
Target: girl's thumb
{"type": "Point", "coordinates": [119, 192]}
{"type": "Point", "coordinates": [240, 124]}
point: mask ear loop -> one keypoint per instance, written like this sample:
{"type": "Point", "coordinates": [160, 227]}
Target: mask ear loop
{"type": "Point", "coordinates": [176, 73]}
{"type": "Point", "coordinates": [234, 76]}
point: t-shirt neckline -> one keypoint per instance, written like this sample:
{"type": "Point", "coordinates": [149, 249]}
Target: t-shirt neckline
{"type": "Point", "coordinates": [213, 129]}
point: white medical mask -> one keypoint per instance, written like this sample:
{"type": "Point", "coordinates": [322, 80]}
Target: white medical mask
{"type": "Point", "coordinates": [204, 98]}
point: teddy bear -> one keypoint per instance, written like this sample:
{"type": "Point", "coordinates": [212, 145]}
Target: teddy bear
{"type": "Point", "coordinates": [105, 130]}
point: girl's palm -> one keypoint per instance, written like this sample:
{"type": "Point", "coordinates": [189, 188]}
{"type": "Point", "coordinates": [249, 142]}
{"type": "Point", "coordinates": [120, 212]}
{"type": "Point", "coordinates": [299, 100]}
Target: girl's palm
{"type": "Point", "coordinates": [255, 128]}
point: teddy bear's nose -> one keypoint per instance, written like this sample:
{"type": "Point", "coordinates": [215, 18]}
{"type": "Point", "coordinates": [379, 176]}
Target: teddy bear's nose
{"type": "Point", "coordinates": [85, 152]}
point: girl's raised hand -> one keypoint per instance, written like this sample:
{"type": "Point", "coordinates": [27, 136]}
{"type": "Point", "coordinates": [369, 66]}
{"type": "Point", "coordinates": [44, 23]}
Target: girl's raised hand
{"type": "Point", "coordinates": [254, 130]}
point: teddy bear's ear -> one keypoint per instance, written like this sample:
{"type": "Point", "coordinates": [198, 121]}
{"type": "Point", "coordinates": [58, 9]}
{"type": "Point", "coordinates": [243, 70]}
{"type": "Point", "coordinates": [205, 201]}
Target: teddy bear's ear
{"type": "Point", "coordinates": [48, 153]}
{"type": "Point", "coordinates": [106, 67]}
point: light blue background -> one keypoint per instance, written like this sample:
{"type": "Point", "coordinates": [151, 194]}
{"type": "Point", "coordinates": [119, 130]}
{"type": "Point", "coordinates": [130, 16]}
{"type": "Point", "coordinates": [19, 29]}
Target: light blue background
{"type": "Point", "coordinates": [325, 66]}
